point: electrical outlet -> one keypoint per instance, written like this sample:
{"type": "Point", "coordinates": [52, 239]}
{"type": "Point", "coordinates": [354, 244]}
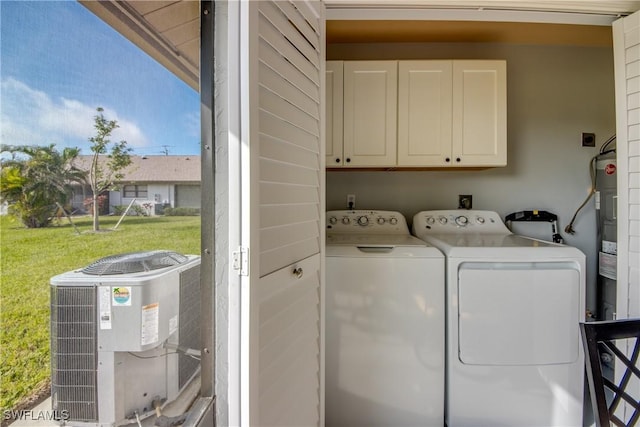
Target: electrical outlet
{"type": "Point", "coordinates": [465, 201]}
{"type": "Point", "coordinates": [351, 201]}
{"type": "Point", "coordinates": [588, 139]}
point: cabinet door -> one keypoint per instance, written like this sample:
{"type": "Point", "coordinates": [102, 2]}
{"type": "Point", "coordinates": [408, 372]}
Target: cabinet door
{"type": "Point", "coordinates": [424, 113]}
{"type": "Point", "coordinates": [370, 104]}
{"type": "Point", "coordinates": [479, 113]}
{"type": "Point", "coordinates": [334, 113]}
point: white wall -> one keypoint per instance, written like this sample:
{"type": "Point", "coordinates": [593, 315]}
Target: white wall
{"type": "Point", "coordinates": [554, 94]}
{"type": "Point", "coordinates": [166, 192]}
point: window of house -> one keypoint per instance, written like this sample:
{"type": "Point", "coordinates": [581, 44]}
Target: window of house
{"type": "Point", "coordinates": [138, 191]}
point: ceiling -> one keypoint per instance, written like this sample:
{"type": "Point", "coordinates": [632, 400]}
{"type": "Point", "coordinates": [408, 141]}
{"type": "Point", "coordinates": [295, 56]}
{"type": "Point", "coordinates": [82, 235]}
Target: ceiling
{"type": "Point", "coordinates": [169, 30]}
{"type": "Point", "coordinates": [383, 31]}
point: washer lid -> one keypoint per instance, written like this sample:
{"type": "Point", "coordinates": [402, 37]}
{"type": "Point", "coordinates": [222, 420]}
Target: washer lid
{"type": "Point", "coordinates": [374, 240]}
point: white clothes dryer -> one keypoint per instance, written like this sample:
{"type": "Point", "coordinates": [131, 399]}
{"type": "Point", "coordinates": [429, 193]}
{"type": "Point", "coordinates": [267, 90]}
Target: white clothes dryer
{"type": "Point", "coordinates": [514, 356]}
{"type": "Point", "coordinates": [384, 350]}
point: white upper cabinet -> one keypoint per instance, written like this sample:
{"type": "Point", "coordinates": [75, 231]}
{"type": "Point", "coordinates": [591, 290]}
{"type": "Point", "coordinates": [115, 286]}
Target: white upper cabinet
{"type": "Point", "coordinates": [370, 108]}
{"type": "Point", "coordinates": [479, 113]}
{"type": "Point", "coordinates": [424, 113]}
{"type": "Point", "coordinates": [334, 112]}
{"type": "Point", "coordinates": [452, 113]}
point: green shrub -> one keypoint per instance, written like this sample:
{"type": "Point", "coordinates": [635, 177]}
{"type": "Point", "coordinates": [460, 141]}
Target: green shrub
{"type": "Point", "coordinates": [136, 210]}
{"type": "Point", "coordinates": [182, 211]}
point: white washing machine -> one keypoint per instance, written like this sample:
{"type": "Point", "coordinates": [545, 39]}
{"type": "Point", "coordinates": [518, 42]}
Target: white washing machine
{"type": "Point", "coordinates": [384, 347]}
{"type": "Point", "coordinates": [514, 355]}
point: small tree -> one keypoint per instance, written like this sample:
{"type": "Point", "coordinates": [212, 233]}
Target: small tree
{"type": "Point", "coordinates": [104, 174]}
{"type": "Point", "coordinates": [35, 178]}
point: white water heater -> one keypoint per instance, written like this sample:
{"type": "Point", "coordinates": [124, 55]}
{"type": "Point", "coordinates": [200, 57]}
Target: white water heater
{"type": "Point", "coordinates": [606, 211]}
{"type": "Point", "coordinates": [119, 330]}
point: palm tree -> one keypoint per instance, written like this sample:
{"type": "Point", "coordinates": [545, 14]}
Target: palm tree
{"type": "Point", "coordinates": [35, 178]}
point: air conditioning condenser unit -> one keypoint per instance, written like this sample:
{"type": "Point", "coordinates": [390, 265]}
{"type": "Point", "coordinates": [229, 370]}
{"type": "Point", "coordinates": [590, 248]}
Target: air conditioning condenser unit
{"type": "Point", "coordinates": [125, 331]}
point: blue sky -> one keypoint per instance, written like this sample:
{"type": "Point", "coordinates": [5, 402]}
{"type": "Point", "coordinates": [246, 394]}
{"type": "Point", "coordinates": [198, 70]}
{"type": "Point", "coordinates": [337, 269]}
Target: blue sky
{"type": "Point", "coordinates": [59, 62]}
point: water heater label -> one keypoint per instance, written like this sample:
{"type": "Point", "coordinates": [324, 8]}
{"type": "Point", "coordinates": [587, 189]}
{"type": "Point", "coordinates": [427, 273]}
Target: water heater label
{"type": "Point", "coordinates": [607, 266]}
{"type": "Point", "coordinates": [150, 324]}
{"type": "Point", "coordinates": [610, 247]}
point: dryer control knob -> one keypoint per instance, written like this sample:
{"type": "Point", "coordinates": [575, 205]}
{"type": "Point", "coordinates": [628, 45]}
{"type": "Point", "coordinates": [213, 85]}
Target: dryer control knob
{"type": "Point", "coordinates": [393, 221]}
{"type": "Point", "coordinates": [431, 220]}
{"type": "Point", "coordinates": [462, 220]}
{"type": "Point", "coordinates": [381, 220]}
{"type": "Point", "coordinates": [363, 220]}
{"type": "Point", "coordinates": [346, 220]}
{"type": "Point", "coordinates": [333, 220]}
{"type": "Point", "coordinates": [443, 220]}
{"type": "Point", "coordinates": [480, 220]}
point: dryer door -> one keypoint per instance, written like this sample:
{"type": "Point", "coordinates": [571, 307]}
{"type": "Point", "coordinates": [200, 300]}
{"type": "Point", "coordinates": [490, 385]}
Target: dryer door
{"type": "Point", "coordinates": [518, 313]}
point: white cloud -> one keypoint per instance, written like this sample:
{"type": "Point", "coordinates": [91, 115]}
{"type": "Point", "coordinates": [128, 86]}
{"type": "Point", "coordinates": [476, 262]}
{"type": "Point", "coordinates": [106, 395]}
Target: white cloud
{"type": "Point", "coordinates": [31, 117]}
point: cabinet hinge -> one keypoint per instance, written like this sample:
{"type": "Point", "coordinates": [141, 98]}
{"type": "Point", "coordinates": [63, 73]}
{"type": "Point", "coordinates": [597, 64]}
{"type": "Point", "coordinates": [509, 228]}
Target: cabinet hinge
{"type": "Point", "coordinates": [241, 261]}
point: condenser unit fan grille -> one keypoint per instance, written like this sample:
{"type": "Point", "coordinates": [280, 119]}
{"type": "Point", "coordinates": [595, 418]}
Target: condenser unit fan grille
{"type": "Point", "coordinates": [134, 262]}
{"type": "Point", "coordinates": [74, 355]}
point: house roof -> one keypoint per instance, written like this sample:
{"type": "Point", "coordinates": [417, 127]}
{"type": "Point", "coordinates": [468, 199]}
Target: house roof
{"type": "Point", "coordinates": [148, 169]}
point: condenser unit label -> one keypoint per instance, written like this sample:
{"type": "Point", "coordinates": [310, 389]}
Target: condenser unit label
{"type": "Point", "coordinates": [104, 302]}
{"type": "Point", "coordinates": [173, 324]}
{"type": "Point", "coordinates": [150, 323]}
{"type": "Point", "coordinates": [121, 295]}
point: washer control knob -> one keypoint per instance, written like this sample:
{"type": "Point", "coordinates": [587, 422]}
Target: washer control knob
{"type": "Point", "coordinates": [393, 220]}
{"type": "Point", "coordinates": [381, 220]}
{"type": "Point", "coordinates": [345, 220]}
{"type": "Point", "coordinates": [443, 220]}
{"type": "Point", "coordinates": [333, 220]}
{"type": "Point", "coordinates": [462, 220]}
{"type": "Point", "coordinates": [480, 220]}
{"type": "Point", "coordinates": [363, 220]}
{"type": "Point", "coordinates": [431, 220]}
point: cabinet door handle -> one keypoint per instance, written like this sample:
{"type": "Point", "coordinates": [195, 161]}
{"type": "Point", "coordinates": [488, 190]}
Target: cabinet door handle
{"type": "Point", "coordinates": [447, 160]}
{"type": "Point", "coordinates": [298, 272]}
{"type": "Point", "coordinates": [458, 159]}
{"type": "Point", "coordinates": [337, 159]}
{"type": "Point", "coordinates": [348, 160]}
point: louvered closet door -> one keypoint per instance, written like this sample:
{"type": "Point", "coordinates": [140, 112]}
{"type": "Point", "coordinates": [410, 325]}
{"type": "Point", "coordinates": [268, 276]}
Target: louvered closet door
{"type": "Point", "coordinates": [286, 132]}
{"type": "Point", "coordinates": [626, 47]}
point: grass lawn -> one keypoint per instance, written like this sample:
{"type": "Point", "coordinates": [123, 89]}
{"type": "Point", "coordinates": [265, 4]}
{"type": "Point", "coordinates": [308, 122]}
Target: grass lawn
{"type": "Point", "coordinates": [28, 260]}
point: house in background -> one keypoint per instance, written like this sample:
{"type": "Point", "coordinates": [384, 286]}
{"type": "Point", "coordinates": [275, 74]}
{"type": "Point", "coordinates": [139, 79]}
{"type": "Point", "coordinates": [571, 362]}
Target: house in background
{"type": "Point", "coordinates": [161, 181]}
